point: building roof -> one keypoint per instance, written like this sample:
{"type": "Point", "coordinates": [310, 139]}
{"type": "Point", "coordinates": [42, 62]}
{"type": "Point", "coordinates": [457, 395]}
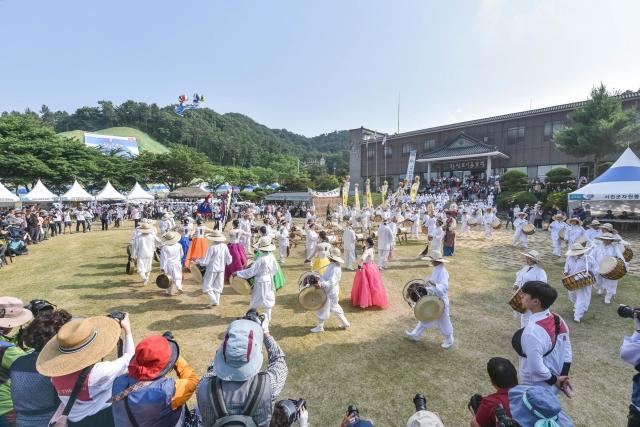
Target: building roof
{"type": "Point", "coordinates": [626, 96]}
{"type": "Point", "coordinates": [462, 147]}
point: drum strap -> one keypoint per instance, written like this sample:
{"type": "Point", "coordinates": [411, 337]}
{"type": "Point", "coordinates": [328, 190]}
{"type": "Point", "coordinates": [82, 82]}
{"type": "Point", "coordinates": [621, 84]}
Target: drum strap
{"type": "Point", "coordinates": [516, 341]}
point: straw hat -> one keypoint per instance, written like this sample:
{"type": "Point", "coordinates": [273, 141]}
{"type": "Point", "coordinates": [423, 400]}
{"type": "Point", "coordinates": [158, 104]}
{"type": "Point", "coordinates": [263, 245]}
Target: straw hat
{"type": "Point", "coordinates": [216, 236]}
{"type": "Point", "coordinates": [607, 236]}
{"type": "Point", "coordinates": [607, 226]}
{"type": "Point", "coordinates": [577, 249]}
{"type": "Point", "coordinates": [435, 256]}
{"type": "Point", "coordinates": [558, 217]}
{"type": "Point", "coordinates": [577, 220]}
{"type": "Point", "coordinates": [595, 222]}
{"type": "Point", "coordinates": [78, 344]}
{"type": "Point", "coordinates": [522, 213]}
{"type": "Point", "coordinates": [334, 255]}
{"type": "Point", "coordinates": [170, 238]}
{"type": "Point", "coordinates": [145, 228]}
{"type": "Point", "coordinates": [425, 419]}
{"type": "Point", "coordinates": [534, 255]}
{"type": "Point", "coordinates": [13, 313]}
{"type": "Point", "coordinates": [264, 245]}
{"type": "Point", "coordinates": [148, 221]}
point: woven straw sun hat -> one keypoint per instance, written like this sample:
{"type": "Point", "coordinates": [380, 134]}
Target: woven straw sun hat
{"type": "Point", "coordinates": [334, 255]}
{"type": "Point", "coordinates": [607, 236]}
{"type": "Point", "coordinates": [145, 228]}
{"type": "Point", "coordinates": [78, 344]}
{"type": "Point", "coordinates": [577, 249]}
{"type": "Point", "coordinates": [170, 238]}
{"type": "Point", "coordinates": [264, 245]}
{"type": "Point", "coordinates": [534, 255]}
{"type": "Point", "coordinates": [216, 236]}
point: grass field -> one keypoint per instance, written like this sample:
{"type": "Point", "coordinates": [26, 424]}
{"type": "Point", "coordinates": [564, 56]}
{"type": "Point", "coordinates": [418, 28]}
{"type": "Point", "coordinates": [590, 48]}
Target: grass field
{"type": "Point", "coordinates": [145, 142]}
{"type": "Point", "coordinates": [371, 365]}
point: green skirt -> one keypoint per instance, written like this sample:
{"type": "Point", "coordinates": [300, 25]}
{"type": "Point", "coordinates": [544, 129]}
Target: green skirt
{"type": "Point", "coordinates": [278, 278]}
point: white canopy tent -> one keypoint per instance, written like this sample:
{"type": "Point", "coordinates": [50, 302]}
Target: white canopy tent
{"type": "Point", "coordinates": [108, 193]}
{"type": "Point", "coordinates": [138, 195]}
{"type": "Point", "coordinates": [618, 189]}
{"type": "Point", "coordinates": [39, 193]}
{"type": "Point", "coordinates": [76, 194]}
{"type": "Point", "coordinates": [7, 196]}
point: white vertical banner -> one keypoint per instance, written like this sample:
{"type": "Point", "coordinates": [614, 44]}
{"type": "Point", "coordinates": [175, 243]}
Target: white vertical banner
{"type": "Point", "coordinates": [410, 166]}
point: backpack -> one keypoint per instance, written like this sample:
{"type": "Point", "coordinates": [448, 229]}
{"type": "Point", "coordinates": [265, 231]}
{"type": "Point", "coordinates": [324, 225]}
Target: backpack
{"type": "Point", "coordinates": [222, 416]}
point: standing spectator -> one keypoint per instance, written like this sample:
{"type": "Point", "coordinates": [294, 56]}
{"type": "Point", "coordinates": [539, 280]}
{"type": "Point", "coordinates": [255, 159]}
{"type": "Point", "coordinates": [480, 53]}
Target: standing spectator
{"type": "Point", "coordinates": [503, 377]}
{"type": "Point", "coordinates": [67, 221]}
{"type": "Point", "coordinates": [104, 219]}
{"type": "Point", "coordinates": [32, 225]}
{"type": "Point", "coordinates": [76, 353]}
{"type": "Point", "coordinates": [80, 220]}
{"type": "Point", "coordinates": [35, 399]}
{"type": "Point", "coordinates": [537, 220]}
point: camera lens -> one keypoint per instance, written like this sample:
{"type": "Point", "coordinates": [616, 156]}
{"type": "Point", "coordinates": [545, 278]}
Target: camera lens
{"type": "Point", "coordinates": [353, 410]}
{"type": "Point", "coordinates": [421, 402]}
{"type": "Point", "coordinates": [625, 311]}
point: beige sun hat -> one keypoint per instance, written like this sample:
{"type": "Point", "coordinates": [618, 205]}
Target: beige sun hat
{"type": "Point", "coordinates": [170, 238]}
{"type": "Point", "coordinates": [13, 313]}
{"type": "Point", "coordinates": [334, 255]}
{"type": "Point", "coordinates": [216, 236]}
{"type": "Point", "coordinates": [148, 221]}
{"type": "Point", "coordinates": [145, 228]}
{"type": "Point", "coordinates": [264, 245]}
{"type": "Point", "coordinates": [558, 217]}
{"type": "Point", "coordinates": [577, 249]}
{"type": "Point", "coordinates": [607, 226]}
{"type": "Point", "coordinates": [78, 344]}
{"type": "Point", "coordinates": [534, 255]}
{"type": "Point", "coordinates": [435, 256]}
{"type": "Point", "coordinates": [577, 220]}
{"type": "Point", "coordinates": [595, 222]}
{"type": "Point", "coordinates": [607, 236]}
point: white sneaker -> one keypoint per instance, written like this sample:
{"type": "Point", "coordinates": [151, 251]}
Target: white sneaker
{"type": "Point", "coordinates": [600, 291]}
{"type": "Point", "coordinates": [411, 336]}
{"type": "Point", "coordinates": [345, 325]}
{"type": "Point", "coordinates": [576, 320]}
{"type": "Point", "coordinates": [317, 329]}
{"type": "Point", "coordinates": [447, 343]}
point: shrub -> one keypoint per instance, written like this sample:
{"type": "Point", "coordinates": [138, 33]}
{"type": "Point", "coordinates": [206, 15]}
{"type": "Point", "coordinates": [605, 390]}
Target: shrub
{"type": "Point", "coordinates": [558, 198]}
{"type": "Point", "coordinates": [513, 181]}
{"type": "Point", "coordinates": [558, 178]}
{"type": "Point", "coordinates": [519, 197]}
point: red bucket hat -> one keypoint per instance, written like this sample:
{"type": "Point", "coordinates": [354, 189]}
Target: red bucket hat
{"type": "Point", "coordinates": [155, 356]}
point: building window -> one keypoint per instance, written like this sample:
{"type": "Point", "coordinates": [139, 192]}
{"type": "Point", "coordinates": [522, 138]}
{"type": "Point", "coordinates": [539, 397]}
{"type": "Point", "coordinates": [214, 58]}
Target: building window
{"type": "Point", "coordinates": [371, 152]}
{"type": "Point", "coordinates": [550, 129]}
{"type": "Point", "coordinates": [428, 145]}
{"type": "Point", "coordinates": [388, 152]}
{"type": "Point", "coordinates": [407, 148]}
{"type": "Point", "coordinates": [515, 134]}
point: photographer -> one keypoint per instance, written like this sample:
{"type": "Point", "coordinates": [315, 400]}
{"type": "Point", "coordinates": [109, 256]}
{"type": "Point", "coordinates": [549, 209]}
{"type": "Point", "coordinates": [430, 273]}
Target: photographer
{"type": "Point", "coordinates": [234, 388]}
{"type": "Point", "coordinates": [144, 396]}
{"type": "Point", "coordinates": [503, 377]}
{"type": "Point", "coordinates": [630, 353]}
{"type": "Point", "coordinates": [352, 418]}
{"type": "Point", "coordinates": [286, 412]}
{"type": "Point", "coordinates": [73, 360]}
{"type": "Point", "coordinates": [422, 417]}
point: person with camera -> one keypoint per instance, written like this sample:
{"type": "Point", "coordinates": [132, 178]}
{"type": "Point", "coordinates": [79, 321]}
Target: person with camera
{"type": "Point", "coordinates": [630, 353]}
{"type": "Point", "coordinates": [422, 417]}
{"type": "Point", "coordinates": [352, 418]}
{"type": "Point", "coordinates": [11, 348]}
{"type": "Point", "coordinates": [543, 345]}
{"type": "Point", "coordinates": [286, 412]}
{"type": "Point", "coordinates": [234, 389]}
{"type": "Point", "coordinates": [73, 359]}
{"type": "Point", "coordinates": [330, 283]}
{"type": "Point", "coordinates": [145, 396]}
{"type": "Point", "coordinates": [34, 398]}
{"type": "Point", "coordinates": [503, 377]}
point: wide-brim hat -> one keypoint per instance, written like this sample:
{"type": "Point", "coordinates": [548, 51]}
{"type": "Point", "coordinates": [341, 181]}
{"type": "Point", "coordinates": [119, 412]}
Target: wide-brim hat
{"type": "Point", "coordinates": [216, 236]}
{"type": "Point", "coordinates": [529, 404]}
{"type": "Point", "coordinates": [170, 238]}
{"type": "Point", "coordinates": [334, 255]}
{"type": "Point", "coordinates": [239, 357]}
{"type": "Point", "coordinates": [155, 356]}
{"type": "Point", "coordinates": [264, 245]}
{"type": "Point", "coordinates": [577, 220]}
{"type": "Point", "coordinates": [607, 226]}
{"type": "Point", "coordinates": [13, 313]}
{"type": "Point", "coordinates": [534, 255]}
{"type": "Point", "coordinates": [435, 256]}
{"type": "Point", "coordinates": [577, 249]}
{"type": "Point", "coordinates": [78, 344]}
{"type": "Point", "coordinates": [607, 236]}
{"type": "Point", "coordinates": [558, 217]}
{"type": "Point", "coordinates": [595, 222]}
{"type": "Point", "coordinates": [145, 228]}
{"type": "Point", "coordinates": [148, 221]}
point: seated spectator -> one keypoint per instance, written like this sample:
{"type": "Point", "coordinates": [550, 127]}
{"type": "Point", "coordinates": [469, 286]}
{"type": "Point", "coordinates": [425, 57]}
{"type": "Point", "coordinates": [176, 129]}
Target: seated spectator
{"type": "Point", "coordinates": [74, 356]}
{"type": "Point", "coordinates": [35, 399]}
{"type": "Point", "coordinates": [236, 367]}
{"type": "Point", "coordinates": [537, 406]}
{"type": "Point", "coordinates": [144, 396]}
{"type": "Point", "coordinates": [15, 315]}
{"type": "Point", "coordinates": [285, 413]}
{"type": "Point", "coordinates": [503, 377]}
{"type": "Point", "coordinates": [609, 215]}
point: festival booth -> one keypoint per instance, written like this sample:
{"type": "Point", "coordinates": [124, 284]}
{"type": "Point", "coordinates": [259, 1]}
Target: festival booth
{"type": "Point", "coordinates": [138, 195]}
{"type": "Point", "coordinates": [319, 199]}
{"type": "Point", "coordinates": [76, 194]}
{"type": "Point", "coordinates": [188, 193]}
{"type": "Point", "coordinates": [618, 189]}
{"type": "Point", "coordinates": [7, 198]}
{"type": "Point", "coordinates": [109, 194]}
{"type": "Point", "coordinates": [39, 194]}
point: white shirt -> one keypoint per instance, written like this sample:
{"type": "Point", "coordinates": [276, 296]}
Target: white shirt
{"type": "Point", "coordinates": [170, 255]}
{"type": "Point", "coordinates": [530, 273]}
{"type": "Point", "coordinates": [217, 257]}
{"type": "Point", "coordinates": [385, 237]}
{"type": "Point", "coordinates": [263, 268]}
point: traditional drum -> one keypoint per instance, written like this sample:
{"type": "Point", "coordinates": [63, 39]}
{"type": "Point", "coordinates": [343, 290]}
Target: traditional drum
{"type": "Point", "coordinates": [407, 223]}
{"type": "Point", "coordinates": [377, 218]}
{"type": "Point", "coordinates": [528, 229]}
{"type": "Point", "coordinates": [612, 268]}
{"type": "Point", "coordinates": [561, 233]}
{"type": "Point", "coordinates": [240, 285]}
{"type": "Point", "coordinates": [496, 223]}
{"type": "Point", "coordinates": [129, 249]}
{"type": "Point", "coordinates": [131, 266]}
{"type": "Point", "coordinates": [424, 230]}
{"type": "Point", "coordinates": [472, 222]}
{"type": "Point", "coordinates": [197, 272]}
{"type": "Point", "coordinates": [310, 297]}
{"type": "Point", "coordinates": [516, 301]}
{"type": "Point", "coordinates": [627, 253]}
{"type": "Point", "coordinates": [426, 307]}
{"type": "Point", "coordinates": [578, 280]}
{"type": "Point", "coordinates": [163, 281]}
{"type": "Point", "coordinates": [360, 237]}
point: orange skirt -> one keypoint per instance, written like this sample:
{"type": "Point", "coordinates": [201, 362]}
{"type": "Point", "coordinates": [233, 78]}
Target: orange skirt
{"type": "Point", "coordinates": [197, 249]}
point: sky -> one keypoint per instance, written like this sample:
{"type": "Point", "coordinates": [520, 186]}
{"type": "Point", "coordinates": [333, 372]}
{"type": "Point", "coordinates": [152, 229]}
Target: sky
{"type": "Point", "coordinates": [317, 66]}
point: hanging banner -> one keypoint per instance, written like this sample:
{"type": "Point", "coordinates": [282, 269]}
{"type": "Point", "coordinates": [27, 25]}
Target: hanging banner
{"type": "Point", "coordinates": [414, 189]}
{"type": "Point", "coordinates": [356, 199]}
{"type": "Point", "coordinates": [383, 192]}
{"type": "Point", "coordinates": [345, 191]}
{"type": "Point", "coordinates": [410, 166]}
{"type": "Point", "coordinates": [331, 193]}
{"type": "Point", "coordinates": [367, 190]}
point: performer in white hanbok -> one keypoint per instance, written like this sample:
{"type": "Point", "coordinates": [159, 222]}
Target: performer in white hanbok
{"type": "Point", "coordinates": [245, 238]}
{"type": "Point", "coordinates": [578, 260]}
{"type": "Point", "coordinates": [554, 230]}
{"type": "Point", "coordinates": [143, 250]}
{"type": "Point", "coordinates": [310, 243]}
{"type": "Point", "coordinates": [216, 259]}
{"type": "Point", "coordinates": [487, 221]}
{"type": "Point", "coordinates": [349, 242]}
{"type": "Point", "coordinates": [385, 243]}
{"type": "Point", "coordinates": [171, 253]}
{"type": "Point", "coordinates": [530, 272]}
{"type": "Point", "coordinates": [464, 219]}
{"type": "Point", "coordinates": [440, 277]}
{"type": "Point", "coordinates": [330, 283]}
{"type": "Point", "coordinates": [283, 240]}
{"type": "Point", "coordinates": [518, 235]}
{"type": "Point", "coordinates": [593, 231]}
{"type": "Point", "coordinates": [438, 235]}
{"type": "Point", "coordinates": [607, 248]}
{"type": "Point", "coordinates": [263, 270]}
{"type": "Point", "coordinates": [166, 224]}
{"type": "Point", "coordinates": [574, 232]}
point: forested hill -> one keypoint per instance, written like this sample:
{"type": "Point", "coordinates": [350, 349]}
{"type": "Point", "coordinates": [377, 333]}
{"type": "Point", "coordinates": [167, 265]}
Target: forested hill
{"type": "Point", "coordinates": [227, 139]}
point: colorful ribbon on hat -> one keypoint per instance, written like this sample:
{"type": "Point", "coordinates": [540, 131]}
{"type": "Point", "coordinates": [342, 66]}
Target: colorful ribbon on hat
{"type": "Point", "coordinates": [543, 421]}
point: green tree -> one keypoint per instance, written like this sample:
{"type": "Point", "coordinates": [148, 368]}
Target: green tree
{"type": "Point", "coordinates": [514, 181]}
{"type": "Point", "coordinates": [558, 178]}
{"type": "Point", "coordinates": [599, 128]}
{"type": "Point", "coordinates": [177, 168]}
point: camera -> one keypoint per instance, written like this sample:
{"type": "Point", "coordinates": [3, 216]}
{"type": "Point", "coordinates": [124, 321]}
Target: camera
{"type": "Point", "coordinates": [37, 306]}
{"type": "Point", "coordinates": [352, 411]}
{"type": "Point", "coordinates": [628, 312]}
{"type": "Point", "coordinates": [474, 403]}
{"type": "Point", "coordinates": [290, 409]}
{"type": "Point", "coordinates": [117, 315]}
{"type": "Point", "coordinates": [254, 316]}
{"type": "Point", "coordinates": [502, 419]}
{"type": "Point", "coordinates": [421, 402]}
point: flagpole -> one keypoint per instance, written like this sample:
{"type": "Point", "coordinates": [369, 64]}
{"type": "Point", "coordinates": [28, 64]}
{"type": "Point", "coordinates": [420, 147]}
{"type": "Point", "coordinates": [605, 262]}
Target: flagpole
{"type": "Point", "coordinates": [377, 177]}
